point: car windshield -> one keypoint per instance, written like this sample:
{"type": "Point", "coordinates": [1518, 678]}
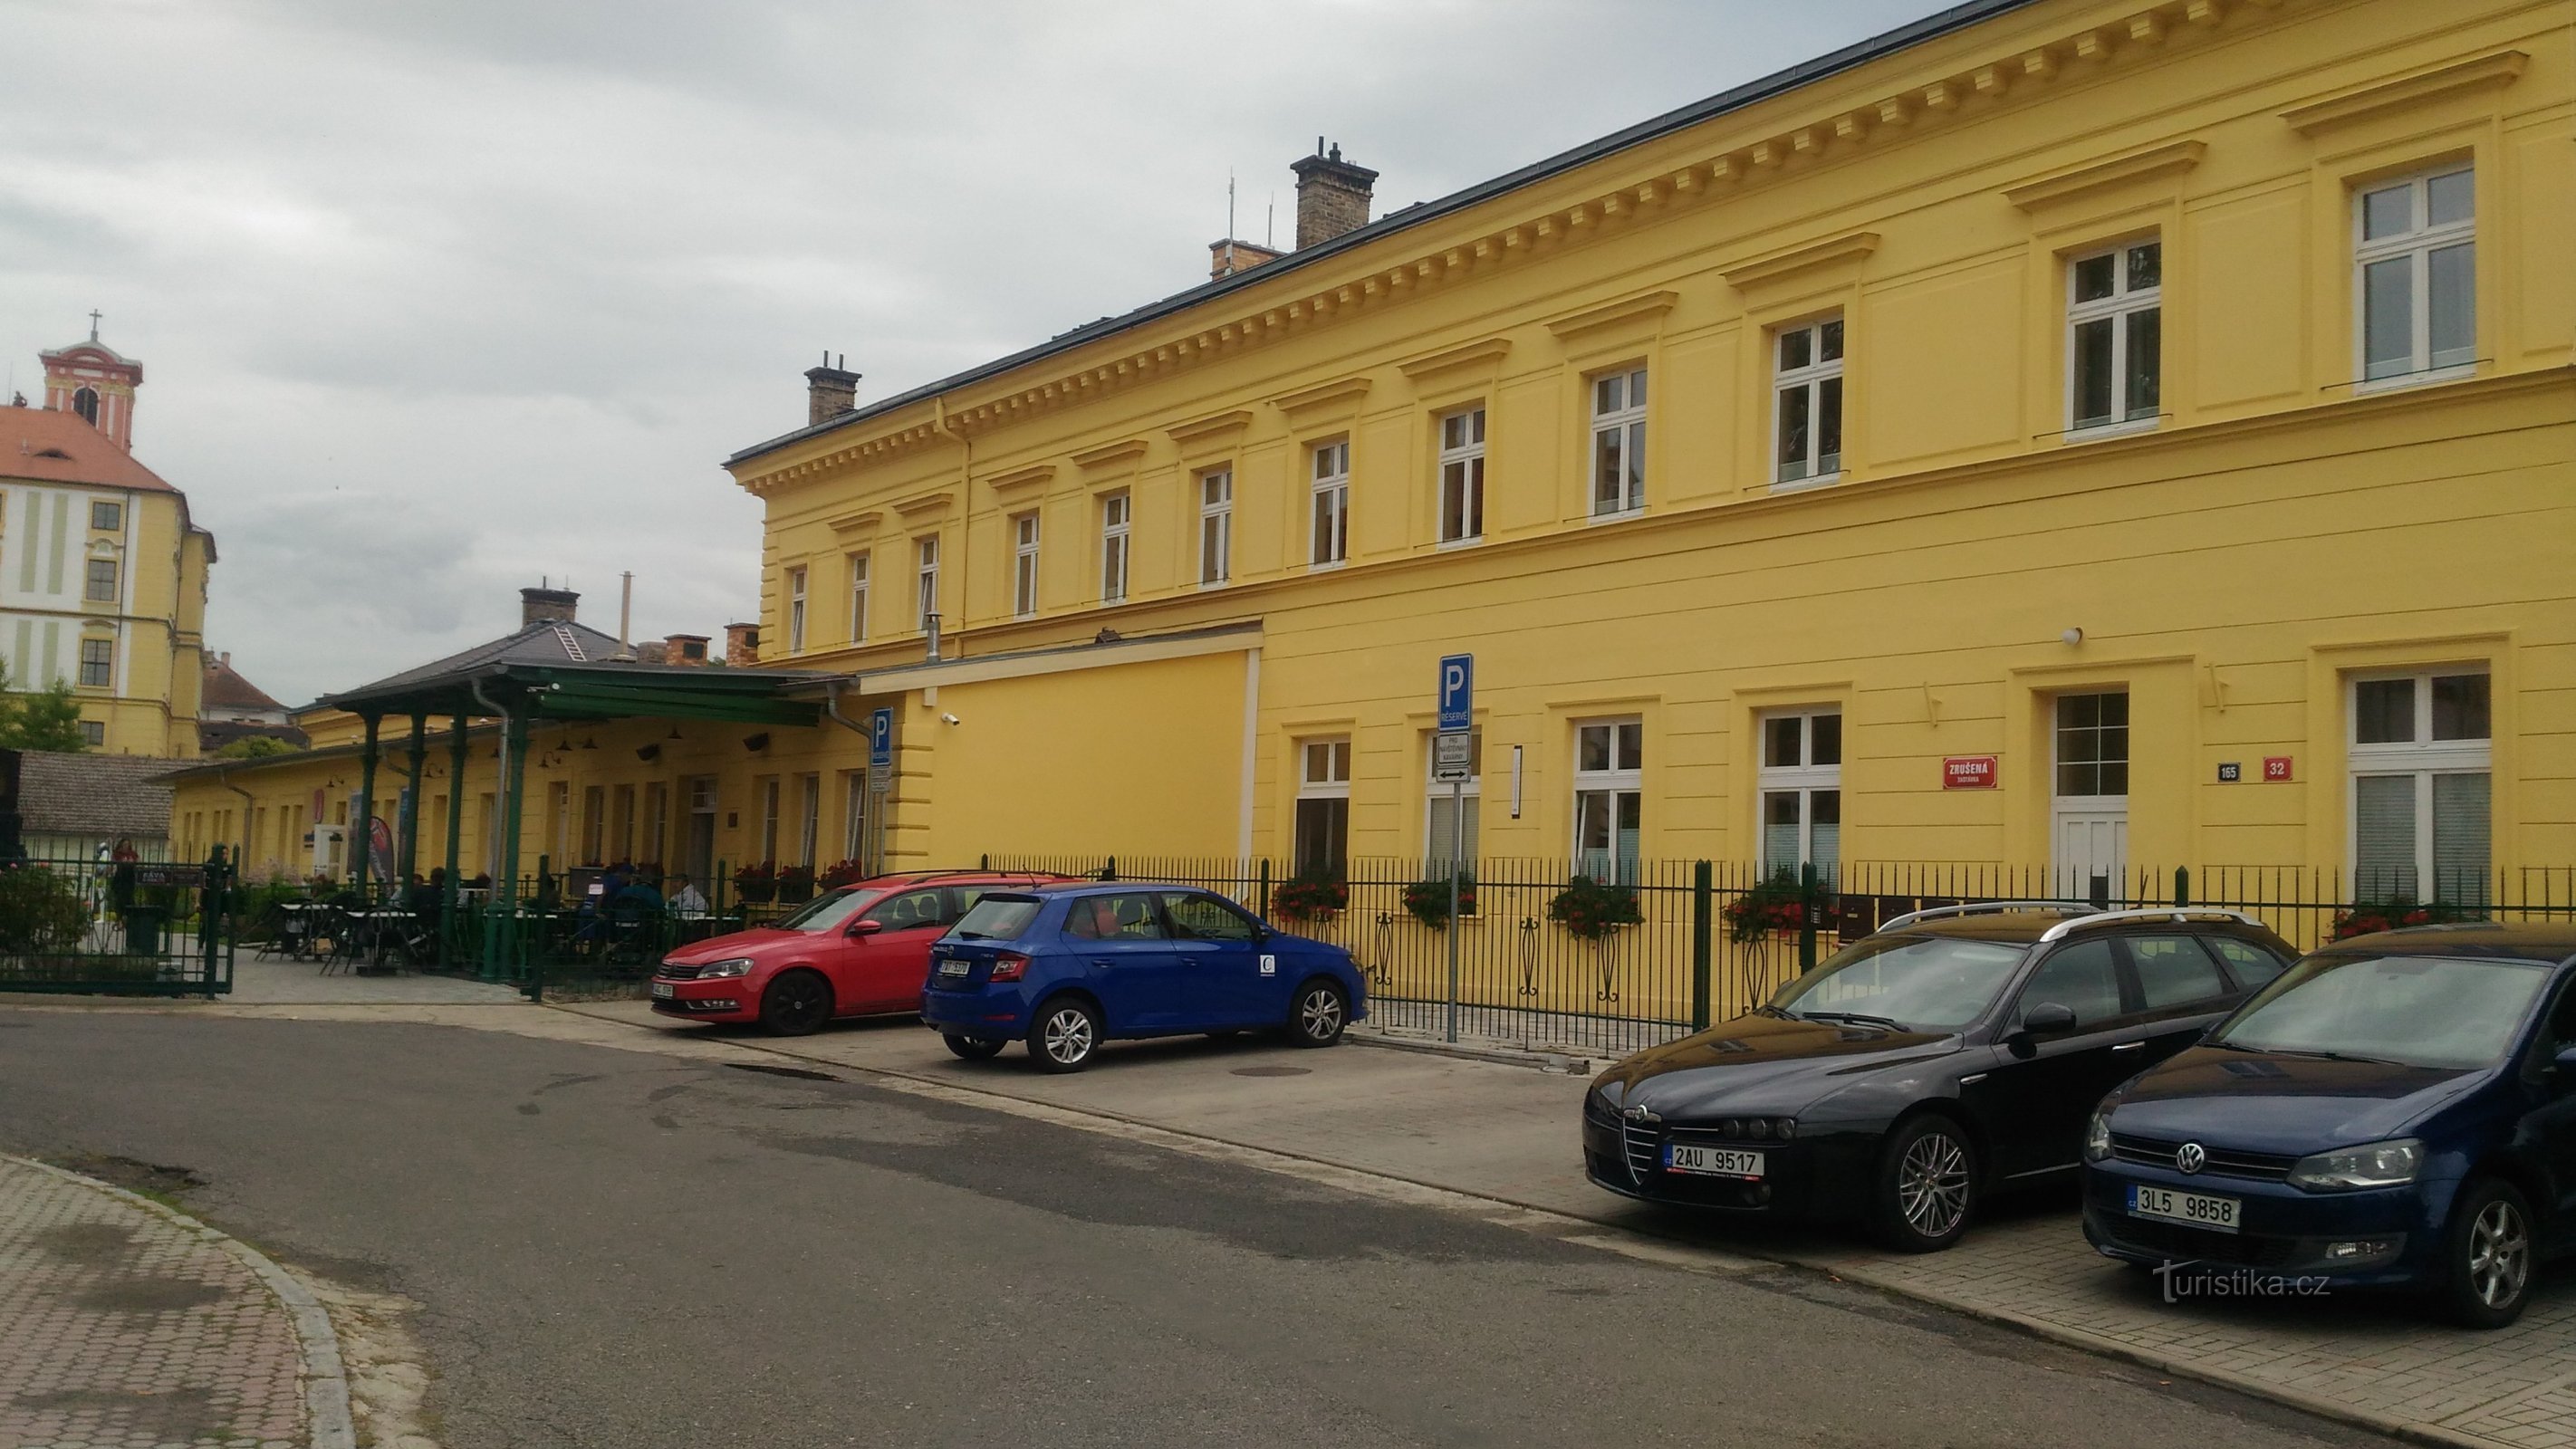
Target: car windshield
{"type": "Point", "coordinates": [997, 918]}
{"type": "Point", "coordinates": [2416, 1011]}
{"type": "Point", "coordinates": [829, 910]}
{"type": "Point", "coordinates": [1914, 981]}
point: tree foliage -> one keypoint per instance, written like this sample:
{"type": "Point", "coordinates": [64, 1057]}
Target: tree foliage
{"type": "Point", "coordinates": [256, 747]}
{"type": "Point", "coordinates": [42, 719]}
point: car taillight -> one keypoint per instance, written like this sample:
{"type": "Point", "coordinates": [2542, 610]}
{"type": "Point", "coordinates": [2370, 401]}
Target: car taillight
{"type": "Point", "coordinates": [1009, 967]}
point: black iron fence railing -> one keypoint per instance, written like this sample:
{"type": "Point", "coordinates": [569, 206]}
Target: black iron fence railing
{"type": "Point", "coordinates": [86, 924]}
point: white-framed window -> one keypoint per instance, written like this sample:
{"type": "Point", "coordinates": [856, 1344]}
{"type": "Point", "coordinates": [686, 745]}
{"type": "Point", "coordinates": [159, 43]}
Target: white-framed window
{"type": "Point", "coordinates": [106, 516]}
{"type": "Point", "coordinates": [2415, 283]}
{"type": "Point", "coordinates": [2420, 757]}
{"type": "Point", "coordinates": [2115, 337]}
{"type": "Point", "coordinates": [769, 819]}
{"type": "Point", "coordinates": [1439, 825]}
{"type": "Point", "coordinates": [1618, 443]}
{"type": "Point", "coordinates": [102, 581]}
{"type": "Point", "coordinates": [796, 611]}
{"type": "Point", "coordinates": [926, 581]}
{"type": "Point", "coordinates": [1609, 797]}
{"type": "Point", "coordinates": [1216, 527]}
{"type": "Point", "coordinates": [1024, 564]}
{"type": "Point", "coordinates": [1807, 402]}
{"type": "Point", "coordinates": [854, 815]}
{"type": "Point", "coordinates": [1114, 523]}
{"type": "Point", "coordinates": [1332, 531]}
{"type": "Point", "coordinates": [809, 818]}
{"type": "Point", "coordinates": [1323, 823]}
{"type": "Point", "coordinates": [858, 598]}
{"type": "Point", "coordinates": [1799, 786]}
{"type": "Point", "coordinates": [1462, 474]}
{"type": "Point", "coordinates": [97, 663]}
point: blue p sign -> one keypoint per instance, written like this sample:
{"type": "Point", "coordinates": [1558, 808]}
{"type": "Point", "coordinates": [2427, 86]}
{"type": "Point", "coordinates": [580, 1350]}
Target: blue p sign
{"type": "Point", "coordinates": [881, 737]}
{"type": "Point", "coordinates": [1457, 692]}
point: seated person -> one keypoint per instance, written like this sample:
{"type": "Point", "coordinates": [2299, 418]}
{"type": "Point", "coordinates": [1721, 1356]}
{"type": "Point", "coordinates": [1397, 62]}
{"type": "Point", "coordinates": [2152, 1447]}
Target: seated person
{"type": "Point", "coordinates": [685, 899]}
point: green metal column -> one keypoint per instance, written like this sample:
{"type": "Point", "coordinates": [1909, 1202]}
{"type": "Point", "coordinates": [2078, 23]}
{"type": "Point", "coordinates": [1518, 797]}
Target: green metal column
{"type": "Point", "coordinates": [363, 818]}
{"type": "Point", "coordinates": [410, 826]}
{"type": "Point", "coordinates": [455, 840]}
{"type": "Point", "coordinates": [503, 928]}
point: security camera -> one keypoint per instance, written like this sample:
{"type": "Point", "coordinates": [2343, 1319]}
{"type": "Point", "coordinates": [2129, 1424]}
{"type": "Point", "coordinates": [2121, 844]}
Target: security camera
{"type": "Point", "coordinates": [948, 719]}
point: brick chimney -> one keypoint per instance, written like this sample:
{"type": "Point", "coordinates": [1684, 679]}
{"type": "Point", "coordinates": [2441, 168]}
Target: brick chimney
{"type": "Point", "coordinates": [1227, 257]}
{"type": "Point", "coordinates": [554, 604]}
{"type": "Point", "coordinates": [1332, 195]}
{"type": "Point", "coordinates": [830, 391]}
{"type": "Point", "coordinates": [684, 649]}
{"type": "Point", "coordinates": [742, 644]}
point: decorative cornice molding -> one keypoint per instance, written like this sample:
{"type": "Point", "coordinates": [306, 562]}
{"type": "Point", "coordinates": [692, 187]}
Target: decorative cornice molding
{"type": "Point", "coordinates": [2083, 181]}
{"type": "Point", "coordinates": [2378, 99]}
{"type": "Point", "coordinates": [1345, 390]}
{"type": "Point", "coordinates": [850, 525]}
{"type": "Point", "coordinates": [1110, 455]}
{"type": "Point", "coordinates": [1763, 270]}
{"type": "Point", "coordinates": [1449, 359]}
{"type": "Point", "coordinates": [1200, 430]}
{"type": "Point", "coordinates": [1020, 478]}
{"type": "Point", "coordinates": [923, 507]}
{"type": "Point", "coordinates": [1646, 305]}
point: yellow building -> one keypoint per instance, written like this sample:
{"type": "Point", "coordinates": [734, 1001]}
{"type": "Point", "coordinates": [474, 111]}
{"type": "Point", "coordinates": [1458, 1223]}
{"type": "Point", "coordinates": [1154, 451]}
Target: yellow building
{"type": "Point", "coordinates": [102, 575]}
{"type": "Point", "coordinates": [2056, 434]}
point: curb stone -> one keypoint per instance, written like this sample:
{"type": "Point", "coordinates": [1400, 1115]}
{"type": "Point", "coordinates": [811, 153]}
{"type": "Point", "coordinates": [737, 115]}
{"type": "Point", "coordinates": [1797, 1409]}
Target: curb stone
{"type": "Point", "coordinates": [326, 1384]}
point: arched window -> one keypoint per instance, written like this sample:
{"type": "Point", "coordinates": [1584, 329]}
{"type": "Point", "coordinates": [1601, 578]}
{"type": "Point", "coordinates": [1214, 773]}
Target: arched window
{"type": "Point", "coordinates": [85, 403]}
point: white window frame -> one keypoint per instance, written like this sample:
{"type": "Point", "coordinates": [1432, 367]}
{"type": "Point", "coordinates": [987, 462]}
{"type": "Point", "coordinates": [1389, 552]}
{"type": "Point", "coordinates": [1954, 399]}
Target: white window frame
{"type": "Point", "coordinates": [1622, 427]}
{"type": "Point", "coordinates": [796, 611]}
{"type": "Point", "coordinates": [1328, 544]}
{"type": "Point", "coordinates": [1616, 781]}
{"type": "Point", "coordinates": [925, 583]}
{"type": "Point", "coordinates": [1117, 522]}
{"type": "Point", "coordinates": [1216, 527]}
{"type": "Point", "coordinates": [1806, 779]}
{"type": "Point", "coordinates": [2421, 758]}
{"type": "Point", "coordinates": [1462, 475]}
{"type": "Point", "coordinates": [809, 820]}
{"type": "Point", "coordinates": [1024, 564]}
{"type": "Point", "coordinates": [858, 598]}
{"type": "Point", "coordinates": [1323, 773]}
{"type": "Point", "coordinates": [2416, 245]}
{"type": "Point", "coordinates": [1435, 841]}
{"type": "Point", "coordinates": [769, 807]}
{"type": "Point", "coordinates": [2121, 309]}
{"type": "Point", "coordinates": [854, 815]}
{"type": "Point", "coordinates": [1809, 379]}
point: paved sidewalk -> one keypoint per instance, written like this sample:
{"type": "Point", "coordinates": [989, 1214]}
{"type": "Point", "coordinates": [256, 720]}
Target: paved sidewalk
{"type": "Point", "coordinates": [126, 1327]}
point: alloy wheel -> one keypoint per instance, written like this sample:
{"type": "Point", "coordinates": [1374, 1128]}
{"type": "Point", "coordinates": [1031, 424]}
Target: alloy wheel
{"type": "Point", "coordinates": [1068, 1035]}
{"type": "Point", "coordinates": [1319, 1015]}
{"type": "Point", "coordinates": [2499, 1255]}
{"type": "Point", "coordinates": [1932, 1184]}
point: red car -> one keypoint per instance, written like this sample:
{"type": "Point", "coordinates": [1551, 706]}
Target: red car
{"type": "Point", "coordinates": [861, 950]}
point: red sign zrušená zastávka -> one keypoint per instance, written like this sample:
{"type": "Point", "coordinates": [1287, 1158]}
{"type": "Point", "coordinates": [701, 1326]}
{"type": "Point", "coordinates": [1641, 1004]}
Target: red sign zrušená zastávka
{"type": "Point", "coordinates": [1968, 772]}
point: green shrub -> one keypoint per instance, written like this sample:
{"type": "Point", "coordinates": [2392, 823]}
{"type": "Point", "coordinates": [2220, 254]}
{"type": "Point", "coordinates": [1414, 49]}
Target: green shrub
{"type": "Point", "coordinates": [39, 911]}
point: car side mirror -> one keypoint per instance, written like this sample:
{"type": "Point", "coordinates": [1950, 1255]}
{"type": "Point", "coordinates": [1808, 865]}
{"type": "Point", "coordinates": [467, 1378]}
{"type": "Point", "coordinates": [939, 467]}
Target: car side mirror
{"type": "Point", "coordinates": [2563, 1064]}
{"type": "Point", "coordinates": [2049, 1017]}
{"type": "Point", "coordinates": [865, 928]}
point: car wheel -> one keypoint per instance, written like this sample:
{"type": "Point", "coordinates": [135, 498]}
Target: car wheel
{"type": "Point", "coordinates": [1319, 1015]}
{"type": "Point", "coordinates": [2487, 1255]}
{"type": "Point", "coordinates": [1926, 1187]}
{"type": "Point", "coordinates": [973, 1048]}
{"type": "Point", "coordinates": [1066, 1034]}
{"type": "Point", "coordinates": [796, 1004]}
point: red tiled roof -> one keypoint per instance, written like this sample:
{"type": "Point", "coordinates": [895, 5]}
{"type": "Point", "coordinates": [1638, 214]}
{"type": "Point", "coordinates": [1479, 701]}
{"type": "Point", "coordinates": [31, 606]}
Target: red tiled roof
{"type": "Point", "coordinates": [226, 689]}
{"type": "Point", "coordinates": [30, 437]}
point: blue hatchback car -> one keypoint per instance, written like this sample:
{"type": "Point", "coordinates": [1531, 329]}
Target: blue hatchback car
{"type": "Point", "coordinates": [2397, 1110]}
{"type": "Point", "coordinates": [1067, 968]}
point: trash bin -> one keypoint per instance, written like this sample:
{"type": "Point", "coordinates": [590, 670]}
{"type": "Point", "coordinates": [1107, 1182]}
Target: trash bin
{"type": "Point", "coordinates": [143, 930]}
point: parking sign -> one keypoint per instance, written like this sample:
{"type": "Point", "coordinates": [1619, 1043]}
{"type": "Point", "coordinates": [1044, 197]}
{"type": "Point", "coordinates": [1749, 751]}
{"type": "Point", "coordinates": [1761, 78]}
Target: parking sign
{"type": "Point", "coordinates": [881, 737]}
{"type": "Point", "coordinates": [1457, 692]}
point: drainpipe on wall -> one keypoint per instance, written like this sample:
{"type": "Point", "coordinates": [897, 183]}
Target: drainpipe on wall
{"type": "Point", "coordinates": [965, 483]}
{"type": "Point", "coordinates": [224, 777]}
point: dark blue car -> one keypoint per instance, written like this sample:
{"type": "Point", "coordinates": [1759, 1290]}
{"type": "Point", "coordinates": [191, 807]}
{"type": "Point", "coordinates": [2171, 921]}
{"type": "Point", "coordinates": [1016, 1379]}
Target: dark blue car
{"type": "Point", "coordinates": [1066, 968]}
{"type": "Point", "coordinates": [2397, 1110]}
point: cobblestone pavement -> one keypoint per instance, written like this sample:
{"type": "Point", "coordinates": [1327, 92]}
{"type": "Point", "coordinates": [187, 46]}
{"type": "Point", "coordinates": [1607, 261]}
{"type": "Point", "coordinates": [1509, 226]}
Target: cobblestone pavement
{"type": "Point", "coordinates": [124, 1328]}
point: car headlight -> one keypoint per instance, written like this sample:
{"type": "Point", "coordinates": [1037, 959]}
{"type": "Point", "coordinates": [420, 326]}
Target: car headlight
{"type": "Point", "coordinates": [2097, 1136]}
{"type": "Point", "coordinates": [714, 969]}
{"type": "Point", "coordinates": [2380, 1164]}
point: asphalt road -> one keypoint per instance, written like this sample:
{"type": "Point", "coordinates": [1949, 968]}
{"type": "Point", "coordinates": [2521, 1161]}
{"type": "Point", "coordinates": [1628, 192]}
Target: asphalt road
{"type": "Point", "coordinates": [619, 1249]}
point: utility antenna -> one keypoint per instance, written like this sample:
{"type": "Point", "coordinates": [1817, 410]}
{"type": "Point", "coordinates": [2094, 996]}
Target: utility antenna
{"type": "Point", "coordinates": [1270, 224]}
{"type": "Point", "coordinates": [1229, 203]}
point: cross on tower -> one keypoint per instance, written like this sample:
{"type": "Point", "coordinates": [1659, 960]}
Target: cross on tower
{"type": "Point", "coordinates": [93, 324]}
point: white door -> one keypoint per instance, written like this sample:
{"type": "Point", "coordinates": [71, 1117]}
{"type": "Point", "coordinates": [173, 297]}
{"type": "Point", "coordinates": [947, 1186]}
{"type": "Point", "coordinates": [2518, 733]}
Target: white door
{"type": "Point", "coordinates": [2089, 815]}
{"type": "Point", "coordinates": [2091, 853]}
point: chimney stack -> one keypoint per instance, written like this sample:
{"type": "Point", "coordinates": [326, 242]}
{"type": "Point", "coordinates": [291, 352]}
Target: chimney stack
{"type": "Point", "coordinates": [1227, 257]}
{"type": "Point", "coordinates": [830, 391]}
{"type": "Point", "coordinates": [684, 649]}
{"type": "Point", "coordinates": [1332, 195]}
{"type": "Point", "coordinates": [742, 645]}
{"type": "Point", "coordinates": [546, 604]}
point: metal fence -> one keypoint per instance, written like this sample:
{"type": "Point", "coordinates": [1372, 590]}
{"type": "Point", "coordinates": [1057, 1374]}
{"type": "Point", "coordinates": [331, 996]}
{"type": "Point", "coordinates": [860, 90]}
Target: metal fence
{"type": "Point", "coordinates": [1709, 939]}
{"type": "Point", "coordinates": [82, 924]}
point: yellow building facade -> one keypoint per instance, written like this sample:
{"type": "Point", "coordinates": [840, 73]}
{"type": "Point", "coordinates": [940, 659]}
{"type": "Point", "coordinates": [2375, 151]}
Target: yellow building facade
{"type": "Point", "coordinates": [2058, 434]}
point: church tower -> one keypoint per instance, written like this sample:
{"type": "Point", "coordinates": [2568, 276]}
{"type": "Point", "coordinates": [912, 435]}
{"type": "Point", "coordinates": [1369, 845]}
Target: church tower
{"type": "Point", "coordinates": [91, 380]}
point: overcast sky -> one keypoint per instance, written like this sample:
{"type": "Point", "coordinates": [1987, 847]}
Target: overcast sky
{"type": "Point", "coordinates": [438, 297]}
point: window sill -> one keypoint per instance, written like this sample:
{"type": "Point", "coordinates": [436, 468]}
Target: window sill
{"type": "Point", "coordinates": [1210, 586]}
{"type": "Point", "coordinates": [2406, 380]}
{"type": "Point", "coordinates": [1447, 545]}
{"type": "Point", "coordinates": [2102, 431]}
{"type": "Point", "coordinates": [1801, 485]}
{"type": "Point", "coordinates": [1621, 516]}
{"type": "Point", "coordinates": [1325, 566]}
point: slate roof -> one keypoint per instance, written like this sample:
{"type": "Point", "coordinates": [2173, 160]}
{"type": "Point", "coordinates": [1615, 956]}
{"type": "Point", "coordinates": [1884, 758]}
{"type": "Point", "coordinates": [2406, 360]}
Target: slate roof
{"type": "Point", "coordinates": [51, 446]}
{"type": "Point", "coordinates": [546, 641]}
{"type": "Point", "coordinates": [95, 794]}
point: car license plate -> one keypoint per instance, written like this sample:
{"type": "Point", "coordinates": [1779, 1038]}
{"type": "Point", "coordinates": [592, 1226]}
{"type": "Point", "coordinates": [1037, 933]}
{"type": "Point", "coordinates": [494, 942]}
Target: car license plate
{"type": "Point", "coordinates": [2216, 1213]}
{"type": "Point", "coordinates": [663, 990]}
{"type": "Point", "coordinates": [1712, 1161]}
{"type": "Point", "coordinates": [953, 968]}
